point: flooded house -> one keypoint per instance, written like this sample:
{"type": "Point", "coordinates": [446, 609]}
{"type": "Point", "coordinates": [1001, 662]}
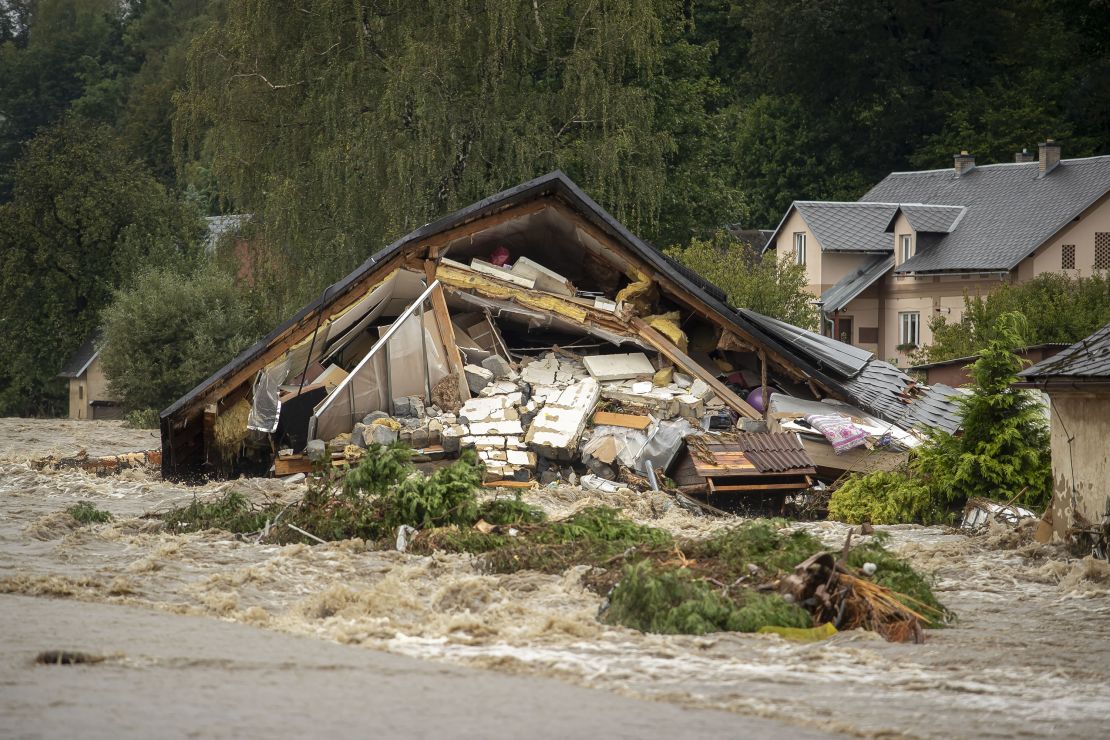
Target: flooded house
{"type": "Point", "coordinates": [536, 329]}
{"type": "Point", "coordinates": [89, 397]}
{"type": "Point", "coordinates": [1077, 382]}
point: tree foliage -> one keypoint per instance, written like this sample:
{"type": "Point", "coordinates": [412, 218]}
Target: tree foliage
{"type": "Point", "coordinates": [168, 332]}
{"type": "Point", "coordinates": [348, 122]}
{"type": "Point", "coordinates": [84, 217]}
{"type": "Point", "coordinates": [751, 280]}
{"type": "Point", "coordinates": [1055, 308]}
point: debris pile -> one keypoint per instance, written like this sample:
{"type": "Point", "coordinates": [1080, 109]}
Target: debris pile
{"type": "Point", "coordinates": [535, 330]}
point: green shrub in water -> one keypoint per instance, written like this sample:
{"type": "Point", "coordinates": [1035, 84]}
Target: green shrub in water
{"type": "Point", "coordinates": [885, 497]}
{"type": "Point", "coordinates": [86, 513]}
{"type": "Point", "coordinates": [233, 512]}
{"type": "Point", "coordinates": [508, 511]}
{"type": "Point", "coordinates": [760, 543]}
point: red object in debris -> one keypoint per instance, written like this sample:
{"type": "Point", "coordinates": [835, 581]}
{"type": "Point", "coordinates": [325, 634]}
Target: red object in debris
{"type": "Point", "coordinates": [499, 257]}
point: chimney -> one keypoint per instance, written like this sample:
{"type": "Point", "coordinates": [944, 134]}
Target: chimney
{"type": "Point", "coordinates": [1024, 156]}
{"type": "Point", "coordinates": [964, 163]}
{"type": "Point", "coordinates": [1049, 156]}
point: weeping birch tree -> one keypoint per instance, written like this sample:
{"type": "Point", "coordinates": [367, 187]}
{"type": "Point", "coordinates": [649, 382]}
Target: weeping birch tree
{"type": "Point", "coordinates": [344, 123]}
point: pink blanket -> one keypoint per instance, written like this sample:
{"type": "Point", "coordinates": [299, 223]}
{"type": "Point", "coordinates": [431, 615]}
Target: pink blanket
{"type": "Point", "coordinates": [839, 430]}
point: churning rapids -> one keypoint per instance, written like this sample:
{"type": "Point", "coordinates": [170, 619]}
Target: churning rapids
{"type": "Point", "coordinates": [1029, 654]}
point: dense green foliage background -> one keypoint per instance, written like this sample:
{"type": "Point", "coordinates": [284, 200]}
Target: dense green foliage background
{"type": "Point", "coordinates": [341, 124]}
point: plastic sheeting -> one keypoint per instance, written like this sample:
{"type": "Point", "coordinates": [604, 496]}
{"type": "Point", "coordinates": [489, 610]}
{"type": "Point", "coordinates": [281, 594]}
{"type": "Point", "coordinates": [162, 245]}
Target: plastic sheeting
{"type": "Point", "coordinates": [663, 446]}
{"type": "Point", "coordinates": [266, 407]}
{"type": "Point", "coordinates": [405, 361]}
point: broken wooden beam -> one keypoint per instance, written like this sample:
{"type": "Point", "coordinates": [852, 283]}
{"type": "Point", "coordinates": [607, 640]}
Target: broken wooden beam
{"type": "Point", "coordinates": [687, 363]}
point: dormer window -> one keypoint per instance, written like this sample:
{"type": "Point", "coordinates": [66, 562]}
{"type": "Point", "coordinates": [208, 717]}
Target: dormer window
{"type": "Point", "coordinates": [905, 248]}
{"type": "Point", "coordinates": [800, 248]}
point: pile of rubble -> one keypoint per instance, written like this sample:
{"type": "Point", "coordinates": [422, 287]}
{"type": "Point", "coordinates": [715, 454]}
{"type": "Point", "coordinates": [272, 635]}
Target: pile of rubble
{"type": "Point", "coordinates": [541, 418]}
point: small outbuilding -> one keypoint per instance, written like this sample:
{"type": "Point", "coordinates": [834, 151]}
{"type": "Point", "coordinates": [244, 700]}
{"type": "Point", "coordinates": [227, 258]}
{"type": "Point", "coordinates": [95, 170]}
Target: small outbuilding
{"type": "Point", "coordinates": [1077, 381]}
{"type": "Point", "coordinates": [89, 397]}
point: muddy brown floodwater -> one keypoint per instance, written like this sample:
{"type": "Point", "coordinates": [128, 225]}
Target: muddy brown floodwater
{"type": "Point", "coordinates": [1028, 656]}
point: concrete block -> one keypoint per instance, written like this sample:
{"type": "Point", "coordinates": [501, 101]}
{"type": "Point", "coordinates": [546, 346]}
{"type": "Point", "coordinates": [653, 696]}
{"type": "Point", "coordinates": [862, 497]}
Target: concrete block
{"type": "Point", "coordinates": [642, 387]}
{"type": "Point", "coordinates": [619, 367]}
{"type": "Point", "coordinates": [484, 442]}
{"type": "Point", "coordinates": [316, 450]}
{"type": "Point", "coordinates": [497, 365]}
{"type": "Point", "coordinates": [682, 380]}
{"type": "Point", "coordinates": [542, 277]}
{"type": "Point", "coordinates": [521, 458]}
{"type": "Point", "coordinates": [358, 434]}
{"type": "Point", "coordinates": [402, 406]}
{"type": "Point", "coordinates": [477, 377]}
{"type": "Point", "coordinates": [540, 372]}
{"type": "Point", "coordinates": [690, 406]}
{"type": "Point", "coordinates": [496, 427]}
{"type": "Point", "coordinates": [700, 388]}
{"type": "Point", "coordinates": [374, 416]}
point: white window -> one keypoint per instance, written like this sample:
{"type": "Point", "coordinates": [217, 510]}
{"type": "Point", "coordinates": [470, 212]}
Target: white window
{"type": "Point", "coordinates": [800, 247]}
{"type": "Point", "coordinates": [907, 248]}
{"type": "Point", "coordinates": [909, 325]}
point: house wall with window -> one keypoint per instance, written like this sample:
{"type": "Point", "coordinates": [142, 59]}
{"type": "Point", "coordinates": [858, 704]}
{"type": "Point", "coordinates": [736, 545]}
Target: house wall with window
{"type": "Point", "coordinates": [823, 269]}
{"type": "Point", "coordinates": [1084, 244]}
{"type": "Point", "coordinates": [89, 397]}
{"type": "Point", "coordinates": [785, 245]}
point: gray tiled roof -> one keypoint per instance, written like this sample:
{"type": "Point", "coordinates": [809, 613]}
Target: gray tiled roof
{"type": "Point", "coordinates": [891, 394]}
{"type": "Point", "coordinates": [874, 386]}
{"type": "Point", "coordinates": [851, 285]}
{"type": "Point", "coordinates": [1011, 210]}
{"type": "Point", "coordinates": [825, 353]}
{"type": "Point", "coordinates": [849, 227]}
{"type": "Point", "coordinates": [79, 361]}
{"type": "Point", "coordinates": [1086, 359]}
{"type": "Point", "coordinates": [932, 219]}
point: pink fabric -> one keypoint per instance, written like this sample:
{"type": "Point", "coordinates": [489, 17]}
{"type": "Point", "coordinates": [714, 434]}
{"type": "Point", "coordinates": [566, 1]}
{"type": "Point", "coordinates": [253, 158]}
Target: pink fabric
{"type": "Point", "coordinates": [842, 434]}
{"type": "Point", "coordinates": [499, 257]}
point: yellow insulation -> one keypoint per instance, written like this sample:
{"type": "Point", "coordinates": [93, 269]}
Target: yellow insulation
{"type": "Point", "coordinates": [640, 294]}
{"type": "Point", "coordinates": [467, 280]}
{"type": "Point", "coordinates": [667, 324]}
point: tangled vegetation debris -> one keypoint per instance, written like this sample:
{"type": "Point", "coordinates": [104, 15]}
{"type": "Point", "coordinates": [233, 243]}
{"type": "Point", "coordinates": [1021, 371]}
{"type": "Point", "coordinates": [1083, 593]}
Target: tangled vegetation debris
{"type": "Point", "coordinates": [757, 574]}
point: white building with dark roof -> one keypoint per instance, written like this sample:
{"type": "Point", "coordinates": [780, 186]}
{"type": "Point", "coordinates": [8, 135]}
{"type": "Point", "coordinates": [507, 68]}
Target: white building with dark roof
{"type": "Point", "coordinates": [917, 242]}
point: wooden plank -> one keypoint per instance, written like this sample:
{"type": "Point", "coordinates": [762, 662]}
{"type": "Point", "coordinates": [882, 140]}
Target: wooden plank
{"type": "Point", "coordinates": [447, 336]}
{"type": "Point", "coordinates": [482, 223]}
{"type": "Point", "coordinates": [761, 487]}
{"type": "Point", "coordinates": [687, 363]}
{"type": "Point", "coordinates": [509, 484]}
{"type": "Point", "coordinates": [629, 421]}
{"type": "Point", "coordinates": [766, 393]}
{"type": "Point", "coordinates": [292, 464]}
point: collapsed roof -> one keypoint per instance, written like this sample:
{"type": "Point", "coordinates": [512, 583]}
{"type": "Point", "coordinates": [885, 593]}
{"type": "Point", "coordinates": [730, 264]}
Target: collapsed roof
{"type": "Point", "coordinates": [586, 275]}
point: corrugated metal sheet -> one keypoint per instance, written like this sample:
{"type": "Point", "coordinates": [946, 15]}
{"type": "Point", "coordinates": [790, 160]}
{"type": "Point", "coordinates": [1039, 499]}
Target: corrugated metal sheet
{"type": "Point", "coordinates": [775, 452]}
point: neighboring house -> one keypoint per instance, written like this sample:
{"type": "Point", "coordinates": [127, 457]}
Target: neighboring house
{"type": "Point", "coordinates": [88, 388]}
{"type": "Point", "coordinates": [916, 243]}
{"type": "Point", "coordinates": [956, 372]}
{"type": "Point", "coordinates": [1077, 381]}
